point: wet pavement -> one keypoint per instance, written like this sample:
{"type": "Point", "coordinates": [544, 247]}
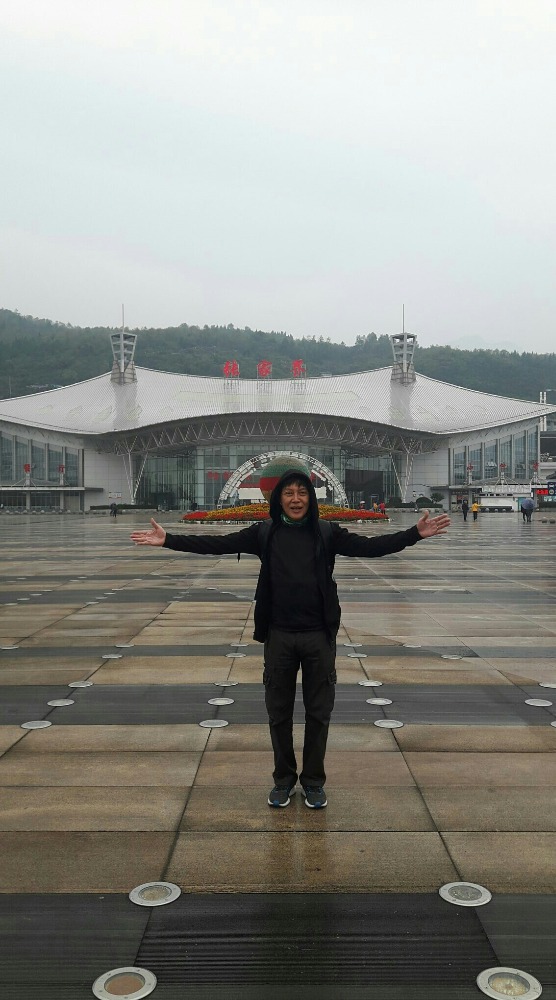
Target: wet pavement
{"type": "Point", "coordinates": [124, 786]}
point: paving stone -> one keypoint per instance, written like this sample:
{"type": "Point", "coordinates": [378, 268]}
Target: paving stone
{"type": "Point", "coordinates": [91, 808]}
{"type": "Point", "coordinates": [81, 861]}
{"type": "Point", "coordinates": [310, 862]}
{"type": "Point", "coordinates": [257, 737]}
{"type": "Point", "coordinates": [107, 739]}
{"type": "Point", "coordinates": [490, 739]}
{"type": "Point", "coordinates": [107, 769]}
{"type": "Point", "coordinates": [118, 672]}
{"type": "Point", "coordinates": [506, 862]}
{"type": "Point", "coordinates": [493, 808]}
{"type": "Point", "coordinates": [439, 769]}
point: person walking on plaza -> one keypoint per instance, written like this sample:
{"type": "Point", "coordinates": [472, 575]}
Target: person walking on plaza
{"type": "Point", "coordinates": [465, 509]}
{"type": "Point", "coordinates": [527, 508]}
{"type": "Point", "coordinates": [297, 613]}
{"type": "Point", "coordinates": [475, 508]}
{"type": "Point", "coordinates": [114, 510]}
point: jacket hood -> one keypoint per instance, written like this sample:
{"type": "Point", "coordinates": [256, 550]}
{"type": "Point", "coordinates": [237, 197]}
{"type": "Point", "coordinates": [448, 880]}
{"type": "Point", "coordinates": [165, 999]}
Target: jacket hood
{"type": "Point", "coordinates": [275, 505]}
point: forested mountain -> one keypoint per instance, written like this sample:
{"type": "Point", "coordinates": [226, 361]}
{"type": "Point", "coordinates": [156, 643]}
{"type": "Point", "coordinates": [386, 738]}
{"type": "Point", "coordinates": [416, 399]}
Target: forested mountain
{"type": "Point", "coordinates": [38, 354]}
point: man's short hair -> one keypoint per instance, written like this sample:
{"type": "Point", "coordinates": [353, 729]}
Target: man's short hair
{"type": "Point", "coordinates": [294, 480]}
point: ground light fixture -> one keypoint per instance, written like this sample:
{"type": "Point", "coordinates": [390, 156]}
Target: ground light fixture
{"type": "Point", "coordinates": [213, 723]}
{"type": "Point", "coordinates": [538, 702]}
{"type": "Point", "coordinates": [370, 684]}
{"type": "Point", "coordinates": [155, 893]}
{"type": "Point", "coordinates": [127, 983]}
{"type": "Point", "coordinates": [36, 724]}
{"type": "Point", "coordinates": [505, 982]}
{"type": "Point", "coordinates": [378, 701]}
{"type": "Point", "coordinates": [465, 893]}
{"type": "Point", "coordinates": [388, 723]}
{"type": "Point", "coordinates": [220, 701]}
{"type": "Point", "coordinates": [80, 684]}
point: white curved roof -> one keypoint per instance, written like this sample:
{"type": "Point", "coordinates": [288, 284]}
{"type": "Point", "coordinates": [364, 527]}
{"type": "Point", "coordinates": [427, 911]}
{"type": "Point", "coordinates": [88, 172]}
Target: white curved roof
{"type": "Point", "coordinates": [100, 406]}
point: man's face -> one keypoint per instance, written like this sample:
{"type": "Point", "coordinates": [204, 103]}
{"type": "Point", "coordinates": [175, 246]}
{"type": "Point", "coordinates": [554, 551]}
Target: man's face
{"type": "Point", "coordinates": [294, 499]}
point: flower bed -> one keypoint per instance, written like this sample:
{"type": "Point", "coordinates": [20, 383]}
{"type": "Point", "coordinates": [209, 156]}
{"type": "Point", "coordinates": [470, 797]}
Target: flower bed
{"type": "Point", "coordinates": [260, 511]}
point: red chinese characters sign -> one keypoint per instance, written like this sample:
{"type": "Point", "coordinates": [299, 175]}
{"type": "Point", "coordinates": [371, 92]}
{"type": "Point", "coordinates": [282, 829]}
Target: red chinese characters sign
{"type": "Point", "coordinates": [264, 369]}
{"type": "Point", "coordinates": [298, 368]}
{"type": "Point", "coordinates": [231, 369]}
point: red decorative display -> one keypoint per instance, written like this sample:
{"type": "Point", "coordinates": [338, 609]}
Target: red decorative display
{"type": "Point", "coordinates": [231, 369]}
{"type": "Point", "coordinates": [264, 369]}
{"type": "Point", "coordinates": [26, 467]}
{"type": "Point", "coordinates": [61, 468]}
{"type": "Point", "coordinates": [298, 368]}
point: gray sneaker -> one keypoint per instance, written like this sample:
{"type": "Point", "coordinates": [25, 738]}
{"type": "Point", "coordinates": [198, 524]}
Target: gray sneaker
{"type": "Point", "coordinates": [315, 796]}
{"type": "Point", "coordinates": [281, 793]}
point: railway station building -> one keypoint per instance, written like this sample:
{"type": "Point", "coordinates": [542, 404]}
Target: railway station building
{"type": "Point", "coordinates": [153, 438]}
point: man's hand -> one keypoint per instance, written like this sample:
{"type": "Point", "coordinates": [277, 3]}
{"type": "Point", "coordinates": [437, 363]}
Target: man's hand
{"type": "Point", "coordinates": [154, 536]}
{"type": "Point", "coordinates": [428, 526]}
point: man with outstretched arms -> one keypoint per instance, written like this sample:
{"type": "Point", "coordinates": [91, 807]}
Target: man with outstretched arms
{"type": "Point", "coordinates": [297, 612]}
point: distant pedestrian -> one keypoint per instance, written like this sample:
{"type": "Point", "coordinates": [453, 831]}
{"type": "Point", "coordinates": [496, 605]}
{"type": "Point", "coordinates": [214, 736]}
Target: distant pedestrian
{"type": "Point", "coordinates": [524, 514]}
{"type": "Point", "coordinates": [475, 509]}
{"type": "Point", "coordinates": [382, 507]}
{"type": "Point", "coordinates": [465, 509]}
{"type": "Point", "coordinates": [114, 510]}
{"type": "Point", "coordinates": [527, 508]}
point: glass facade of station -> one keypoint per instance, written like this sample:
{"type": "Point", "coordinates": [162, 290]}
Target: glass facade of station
{"type": "Point", "coordinates": [198, 475]}
{"type": "Point", "coordinates": [516, 453]}
{"type": "Point", "coordinates": [44, 460]}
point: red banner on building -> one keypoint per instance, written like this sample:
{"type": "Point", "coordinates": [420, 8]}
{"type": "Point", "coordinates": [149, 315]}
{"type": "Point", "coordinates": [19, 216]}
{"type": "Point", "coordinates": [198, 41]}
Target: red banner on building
{"type": "Point", "coordinates": [298, 368]}
{"type": "Point", "coordinates": [231, 369]}
{"type": "Point", "coordinates": [264, 369]}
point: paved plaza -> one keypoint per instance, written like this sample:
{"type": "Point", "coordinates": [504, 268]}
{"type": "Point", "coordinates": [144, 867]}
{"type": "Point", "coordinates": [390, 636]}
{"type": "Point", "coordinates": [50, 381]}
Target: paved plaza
{"type": "Point", "coordinates": [125, 787]}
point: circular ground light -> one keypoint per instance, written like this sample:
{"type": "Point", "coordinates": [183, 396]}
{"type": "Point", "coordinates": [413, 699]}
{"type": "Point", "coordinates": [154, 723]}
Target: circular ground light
{"type": "Point", "coordinates": [9, 647]}
{"type": "Point", "coordinates": [538, 702]}
{"type": "Point", "coordinates": [378, 701]}
{"type": "Point", "coordinates": [38, 724]}
{"type": "Point", "coordinates": [412, 645]}
{"type": "Point", "coordinates": [225, 684]}
{"type": "Point", "coordinates": [542, 684]}
{"type": "Point", "coordinates": [357, 656]}
{"type": "Point", "coordinates": [60, 702]}
{"type": "Point", "coordinates": [213, 723]}
{"type": "Point", "coordinates": [553, 723]}
{"type": "Point", "coordinates": [111, 656]}
{"type": "Point", "coordinates": [129, 983]}
{"type": "Point", "coordinates": [388, 723]}
{"type": "Point", "coordinates": [239, 644]}
{"type": "Point", "coordinates": [370, 684]}
{"type": "Point", "coordinates": [507, 982]}
{"type": "Point", "coordinates": [124, 645]}
{"type": "Point", "coordinates": [465, 894]}
{"type": "Point", "coordinates": [220, 701]}
{"type": "Point", "coordinates": [353, 645]}
{"type": "Point", "coordinates": [450, 656]}
{"type": "Point", "coordinates": [235, 655]}
{"type": "Point", "coordinates": [80, 684]}
{"type": "Point", "coordinates": [155, 893]}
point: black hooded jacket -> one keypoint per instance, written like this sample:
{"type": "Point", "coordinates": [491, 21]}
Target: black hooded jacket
{"type": "Point", "coordinates": [256, 540]}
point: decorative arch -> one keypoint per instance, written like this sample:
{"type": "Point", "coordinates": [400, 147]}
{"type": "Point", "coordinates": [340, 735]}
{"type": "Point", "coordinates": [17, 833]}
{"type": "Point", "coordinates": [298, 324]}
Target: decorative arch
{"type": "Point", "coordinates": [259, 461]}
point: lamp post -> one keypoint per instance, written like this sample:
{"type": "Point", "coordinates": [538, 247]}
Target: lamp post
{"type": "Point", "coordinates": [542, 399]}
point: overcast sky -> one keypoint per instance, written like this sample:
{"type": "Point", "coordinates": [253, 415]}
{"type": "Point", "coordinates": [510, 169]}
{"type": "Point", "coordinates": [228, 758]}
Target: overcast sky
{"type": "Point", "coordinates": [298, 165]}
